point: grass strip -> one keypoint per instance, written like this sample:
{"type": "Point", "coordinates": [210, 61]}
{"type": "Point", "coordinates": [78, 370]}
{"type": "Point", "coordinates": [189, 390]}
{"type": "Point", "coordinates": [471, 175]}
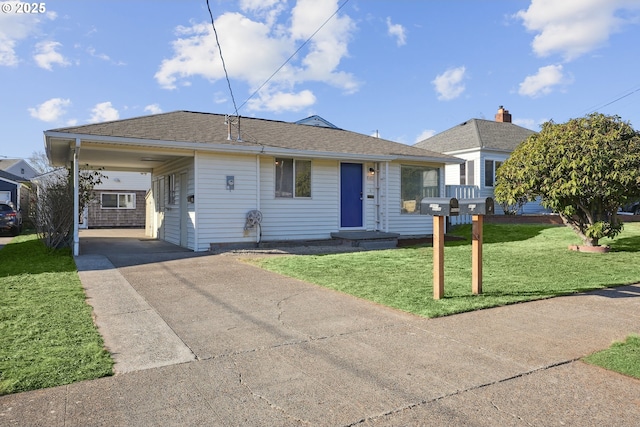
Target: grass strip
{"type": "Point", "coordinates": [621, 357]}
{"type": "Point", "coordinates": [521, 262]}
{"type": "Point", "coordinates": [47, 334]}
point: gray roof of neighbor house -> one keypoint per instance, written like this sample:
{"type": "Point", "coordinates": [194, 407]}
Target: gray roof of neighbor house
{"type": "Point", "coordinates": [195, 130]}
{"type": "Point", "coordinates": [316, 121]}
{"type": "Point", "coordinates": [7, 163]}
{"type": "Point", "coordinates": [477, 133]}
{"type": "Point", "coordinates": [11, 177]}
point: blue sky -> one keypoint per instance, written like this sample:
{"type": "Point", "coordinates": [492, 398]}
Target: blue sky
{"type": "Point", "coordinates": [404, 69]}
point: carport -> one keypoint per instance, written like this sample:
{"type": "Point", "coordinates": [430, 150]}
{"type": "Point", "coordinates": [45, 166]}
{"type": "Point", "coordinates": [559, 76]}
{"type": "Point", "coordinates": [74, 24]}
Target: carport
{"type": "Point", "coordinates": [108, 153]}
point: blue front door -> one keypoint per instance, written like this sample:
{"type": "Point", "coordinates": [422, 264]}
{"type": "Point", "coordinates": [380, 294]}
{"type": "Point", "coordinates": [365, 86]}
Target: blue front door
{"type": "Point", "coordinates": [350, 195]}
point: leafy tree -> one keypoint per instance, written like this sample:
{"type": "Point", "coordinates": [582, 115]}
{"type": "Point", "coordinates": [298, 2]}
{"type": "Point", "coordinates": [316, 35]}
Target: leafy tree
{"type": "Point", "coordinates": [40, 162]}
{"type": "Point", "coordinates": [584, 170]}
{"type": "Point", "coordinates": [53, 206]}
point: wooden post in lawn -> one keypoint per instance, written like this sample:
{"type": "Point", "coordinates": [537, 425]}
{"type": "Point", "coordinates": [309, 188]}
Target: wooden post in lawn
{"type": "Point", "coordinates": [476, 254]}
{"type": "Point", "coordinates": [438, 257]}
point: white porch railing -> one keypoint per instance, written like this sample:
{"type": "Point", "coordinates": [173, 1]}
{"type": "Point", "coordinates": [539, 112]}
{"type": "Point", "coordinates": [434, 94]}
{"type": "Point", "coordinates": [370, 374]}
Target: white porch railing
{"type": "Point", "coordinates": [461, 192]}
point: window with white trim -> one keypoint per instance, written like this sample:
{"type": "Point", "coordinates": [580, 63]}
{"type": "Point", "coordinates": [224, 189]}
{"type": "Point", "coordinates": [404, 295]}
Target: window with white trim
{"type": "Point", "coordinates": [293, 178]}
{"type": "Point", "coordinates": [171, 189]}
{"type": "Point", "coordinates": [470, 172]}
{"type": "Point", "coordinates": [118, 200]}
{"type": "Point", "coordinates": [417, 182]}
{"type": "Point", "coordinates": [490, 168]}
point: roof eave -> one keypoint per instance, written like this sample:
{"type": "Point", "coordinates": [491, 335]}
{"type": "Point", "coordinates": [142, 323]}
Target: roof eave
{"type": "Point", "coordinates": [50, 136]}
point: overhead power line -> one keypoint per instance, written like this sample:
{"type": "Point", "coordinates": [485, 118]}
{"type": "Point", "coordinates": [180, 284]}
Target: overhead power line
{"type": "Point", "coordinates": [224, 67]}
{"type": "Point", "coordinates": [294, 53]}
{"type": "Point", "coordinates": [631, 92]}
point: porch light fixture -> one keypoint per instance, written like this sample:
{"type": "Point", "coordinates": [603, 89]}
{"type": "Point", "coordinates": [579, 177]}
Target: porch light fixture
{"type": "Point", "coordinates": [372, 171]}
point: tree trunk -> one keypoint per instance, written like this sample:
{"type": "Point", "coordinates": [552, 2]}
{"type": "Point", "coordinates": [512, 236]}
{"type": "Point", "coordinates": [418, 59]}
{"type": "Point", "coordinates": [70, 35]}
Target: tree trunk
{"type": "Point", "coordinates": [588, 241]}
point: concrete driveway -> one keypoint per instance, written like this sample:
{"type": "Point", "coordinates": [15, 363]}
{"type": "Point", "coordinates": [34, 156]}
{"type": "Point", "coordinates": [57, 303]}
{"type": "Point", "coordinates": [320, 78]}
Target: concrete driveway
{"type": "Point", "coordinates": [249, 347]}
{"type": "Point", "coordinates": [4, 240]}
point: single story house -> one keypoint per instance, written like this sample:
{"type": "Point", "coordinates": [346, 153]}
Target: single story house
{"type": "Point", "coordinates": [483, 145]}
{"type": "Point", "coordinates": [209, 171]}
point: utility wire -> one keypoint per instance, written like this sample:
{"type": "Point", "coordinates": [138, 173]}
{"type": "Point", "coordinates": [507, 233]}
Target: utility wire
{"type": "Point", "coordinates": [614, 101]}
{"type": "Point", "coordinates": [224, 67]}
{"type": "Point", "coordinates": [294, 53]}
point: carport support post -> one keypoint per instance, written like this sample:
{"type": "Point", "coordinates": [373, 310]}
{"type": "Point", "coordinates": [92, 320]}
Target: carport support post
{"type": "Point", "coordinates": [76, 199]}
{"type": "Point", "coordinates": [438, 257]}
{"type": "Point", "coordinates": [476, 254]}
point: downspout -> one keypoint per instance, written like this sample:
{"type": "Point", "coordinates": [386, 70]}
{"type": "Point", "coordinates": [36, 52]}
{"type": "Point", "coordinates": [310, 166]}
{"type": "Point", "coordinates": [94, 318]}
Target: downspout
{"type": "Point", "coordinates": [258, 227]}
{"type": "Point", "coordinates": [378, 215]}
{"type": "Point", "coordinates": [386, 197]}
{"type": "Point", "coordinates": [196, 199]}
{"type": "Point", "coordinates": [258, 181]}
{"type": "Point", "coordinates": [76, 199]}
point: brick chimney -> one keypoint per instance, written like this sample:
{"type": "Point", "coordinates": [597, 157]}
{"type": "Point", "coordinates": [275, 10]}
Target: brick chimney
{"type": "Point", "coordinates": [503, 115]}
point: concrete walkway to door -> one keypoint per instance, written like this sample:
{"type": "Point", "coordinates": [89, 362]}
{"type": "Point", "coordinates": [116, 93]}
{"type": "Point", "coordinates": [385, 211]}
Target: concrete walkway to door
{"type": "Point", "coordinates": [261, 349]}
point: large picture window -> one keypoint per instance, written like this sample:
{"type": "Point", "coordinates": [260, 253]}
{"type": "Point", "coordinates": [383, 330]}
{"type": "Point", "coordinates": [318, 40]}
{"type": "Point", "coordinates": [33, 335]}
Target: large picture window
{"type": "Point", "coordinates": [417, 182]}
{"type": "Point", "coordinates": [293, 178]}
{"type": "Point", "coordinates": [118, 200]}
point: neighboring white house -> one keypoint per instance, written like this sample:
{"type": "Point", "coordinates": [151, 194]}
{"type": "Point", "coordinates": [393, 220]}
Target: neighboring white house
{"type": "Point", "coordinates": [18, 167]}
{"type": "Point", "coordinates": [483, 145]}
{"type": "Point", "coordinates": [208, 171]}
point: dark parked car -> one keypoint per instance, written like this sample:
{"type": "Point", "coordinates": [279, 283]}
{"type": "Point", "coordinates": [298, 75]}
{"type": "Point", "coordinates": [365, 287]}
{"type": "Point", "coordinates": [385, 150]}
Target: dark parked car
{"type": "Point", "coordinates": [10, 220]}
{"type": "Point", "coordinates": [632, 208]}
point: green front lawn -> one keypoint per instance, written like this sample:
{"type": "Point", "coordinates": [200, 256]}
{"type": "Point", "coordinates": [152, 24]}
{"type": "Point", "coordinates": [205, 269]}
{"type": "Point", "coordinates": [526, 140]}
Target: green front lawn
{"type": "Point", "coordinates": [622, 357]}
{"type": "Point", "coordinates": [520, 262]}
{"type": "Point", "coordinates": [47, 335]}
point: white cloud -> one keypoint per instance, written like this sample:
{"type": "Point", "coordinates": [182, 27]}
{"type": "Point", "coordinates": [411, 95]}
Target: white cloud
{"type": "Point", "coordinates": [51, 110]}
{"type": "Point", "coordinates": [103, 56]}
{"type": "Point", "coordinates": [153, 109]}
{"type": "Point", "coordinates": [220, 98]}
{"type": "Point", "coordinates": [46, 55]}
{"type": "Point", "coordinates": [268, 10]}
{"type": "Point", "coordinates": [573, 27]}
{"type": "Point", "coordinates": [427, 133]}
{"type": "Point", "coordinates": [8, 55]}
{"type": "Point", "coordinates": [449, 84]}
{"type": "Point", "coordinates": [283, 101]}
{"type": "Point", "coordinates": [543, 82]}
{"type": "Point", "coordinates": [397, 31]}
{"type": "Point", "coordinates": [527, 123]}
{"type": "Point", "coordinates": [16, 27]}
{"type": "Point", "coordinates": [255, 45]}
{"type": "Point", "coordinates": [103, 112]}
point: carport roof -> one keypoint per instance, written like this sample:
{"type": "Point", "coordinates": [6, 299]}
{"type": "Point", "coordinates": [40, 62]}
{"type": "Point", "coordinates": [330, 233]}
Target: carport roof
{"type": "Point", "coordinates": [144, 142]}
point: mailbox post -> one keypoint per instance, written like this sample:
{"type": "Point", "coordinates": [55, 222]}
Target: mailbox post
{"type": "Point", "coordinates": [438, 207]}
{"type": "Point", "coordinates": [477, 208]}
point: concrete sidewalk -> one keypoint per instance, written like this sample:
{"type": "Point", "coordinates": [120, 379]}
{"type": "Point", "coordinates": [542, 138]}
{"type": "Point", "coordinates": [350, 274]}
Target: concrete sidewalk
{"type": "Point", "coordinates": [249, 347]}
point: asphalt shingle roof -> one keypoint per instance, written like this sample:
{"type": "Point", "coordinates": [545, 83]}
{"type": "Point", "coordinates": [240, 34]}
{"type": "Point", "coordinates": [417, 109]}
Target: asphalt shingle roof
{"type": "Point", "coordinates": [11, 177]}
{"type": "Point", "coordinates": [477, 133]}
{"type": "Point", "coordinates": [194, 127]}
